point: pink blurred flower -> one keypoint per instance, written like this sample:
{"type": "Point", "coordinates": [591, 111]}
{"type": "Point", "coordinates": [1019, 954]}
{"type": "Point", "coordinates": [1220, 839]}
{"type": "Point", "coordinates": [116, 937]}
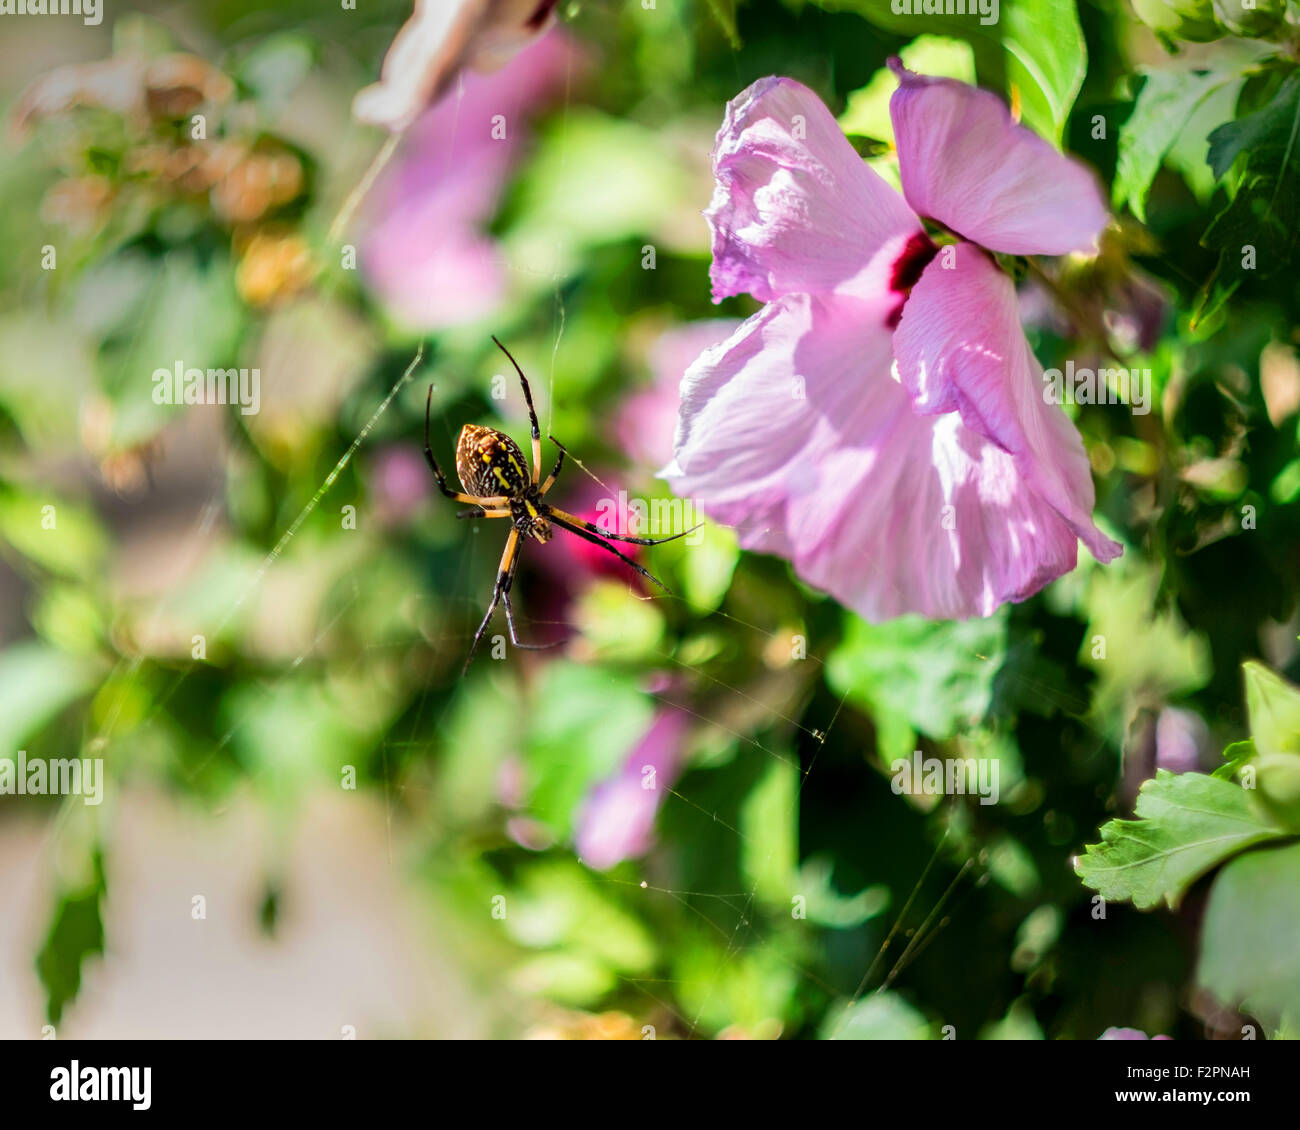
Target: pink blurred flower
{"type": "Point", "coordinates": [441, 38]}
{"type": "Point", "coordinates": [606, 504]}
{"type": "Point", "coordinates": [616, 821]}
{"type": "Point", "coordinates": [400, 480]}
{"type": "Point", "coordinates": [880, 422]}
{"type": "Point", "coordinates": [425, 252]}
{"type": "Point", "coordinates": [1128, 1034]}
{"type": "Point", "coordinates": [648, 417]}
{"type": "Point", "coordinates": [1181, 738]}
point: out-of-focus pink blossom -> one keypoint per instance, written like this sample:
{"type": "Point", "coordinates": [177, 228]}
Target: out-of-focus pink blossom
{"type": "Point", "coordinates": [425, 251]}
{"type": "Point", "coordinates": [1128, 1034]}
{"type": "Point", "coordinates": [880, 422]}
{"type": "Point", "coordinates": [607, 505]}
{"type": "Point", "coordinates": [1181, 738]}
{"type": "Point", "coordinates": [616, 821]}
{"type": "Point", "coordinates": [400, 480]}
{"type": "Point", "coordinates": [647, 418]}
{"type": "Point", "coordinates": [512, 781]}
{"type": "Point", "coordinates": [440, 39]}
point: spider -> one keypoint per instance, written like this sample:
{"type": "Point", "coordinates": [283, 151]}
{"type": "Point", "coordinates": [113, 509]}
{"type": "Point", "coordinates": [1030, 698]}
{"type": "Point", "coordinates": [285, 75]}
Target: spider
{"type": "Point", "coordinates": [497, 484]}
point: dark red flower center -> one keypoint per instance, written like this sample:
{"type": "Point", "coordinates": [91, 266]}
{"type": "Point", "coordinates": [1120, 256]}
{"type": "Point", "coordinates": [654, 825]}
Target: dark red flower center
{"type": "Point", "coordinates": [539, 15]}
{"type": "Point", "coordinates": [914, 258]}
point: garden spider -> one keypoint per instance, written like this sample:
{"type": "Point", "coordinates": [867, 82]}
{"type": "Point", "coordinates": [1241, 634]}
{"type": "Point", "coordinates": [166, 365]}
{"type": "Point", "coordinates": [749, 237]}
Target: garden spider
{"type": "Point", "coordinates": [491, 468]}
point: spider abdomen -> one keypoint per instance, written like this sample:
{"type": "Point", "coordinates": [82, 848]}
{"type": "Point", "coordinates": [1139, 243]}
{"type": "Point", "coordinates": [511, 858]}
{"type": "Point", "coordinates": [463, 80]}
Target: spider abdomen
{"type": "Point", "coordinates": [490, 463]}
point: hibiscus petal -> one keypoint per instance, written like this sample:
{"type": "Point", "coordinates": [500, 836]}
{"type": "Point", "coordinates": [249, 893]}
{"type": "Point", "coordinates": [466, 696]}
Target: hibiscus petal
{"type": "Point", "coordinates": [965, 163]}
{"type": "Point", "coordinates": [960, 346]}
{"type": "Point", "coordinates": [890, 511]}
{"type": "Point", "coordinates": [794, 208]}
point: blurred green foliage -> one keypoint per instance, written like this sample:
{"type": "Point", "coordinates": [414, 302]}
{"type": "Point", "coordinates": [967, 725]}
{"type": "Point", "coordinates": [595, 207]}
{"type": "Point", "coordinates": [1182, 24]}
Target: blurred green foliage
{"type": "Point", "coordinates": [788, 889]}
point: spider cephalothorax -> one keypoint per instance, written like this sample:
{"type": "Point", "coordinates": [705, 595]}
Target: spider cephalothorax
{"type": "Point", "coordinates": [497, 483]}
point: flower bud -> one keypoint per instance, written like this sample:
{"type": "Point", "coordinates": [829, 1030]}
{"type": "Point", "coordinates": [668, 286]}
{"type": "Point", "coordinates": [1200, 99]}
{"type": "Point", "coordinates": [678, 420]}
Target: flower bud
{"type": "Point", "coordinates": [1256, 19]}
{"type": "Point", "coordinates": [1274, 707]}
{"type": "Point", "coordinates": [1179, 19]}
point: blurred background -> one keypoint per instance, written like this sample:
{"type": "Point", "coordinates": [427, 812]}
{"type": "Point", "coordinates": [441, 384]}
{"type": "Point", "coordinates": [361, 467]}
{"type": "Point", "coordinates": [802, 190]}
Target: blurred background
{"type": "Point", "coordinates": [312, 825]}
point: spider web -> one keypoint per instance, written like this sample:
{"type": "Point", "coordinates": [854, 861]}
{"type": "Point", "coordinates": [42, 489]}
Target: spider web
{"type": "Point", "coordinates": [731, 915]}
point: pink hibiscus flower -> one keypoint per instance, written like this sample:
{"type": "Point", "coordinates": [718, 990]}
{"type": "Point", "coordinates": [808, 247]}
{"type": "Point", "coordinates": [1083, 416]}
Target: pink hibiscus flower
{"type": "Point", "coordinates": [425, 251]}
{"type": "Point", "coordinates": [881, 422]}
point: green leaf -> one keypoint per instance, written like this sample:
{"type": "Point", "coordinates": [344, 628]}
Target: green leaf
{"type": "Point", "coordinates": [707, 566]}
{"type": "Point", "coordinates": [1250, 133]}
{"type": "Point", "coordinates": [36, 682]}
{"type": "Point", "coordinates": [1248, 940]}
{"type": "Point", "coordinates": [827, 907]}
{"type": "Point", "coordinates": [60, 536]}
{"type": "Point", "coordinates": [918, 675]}
{"type": "Point", "coordinates": [585, 721]}
{"type": "Point", "coordinates": [769, 847]}
{"type": "Point", "coordinates": [76, 933]}
{"type": "Point", "coordinates": [1164, 106]}
{"type": "Point", "coordinates": [1264, 213]}
{"type": "Point", "coordinates": [617, 624]}
{"type": "Point", "coordinates": [1187, 155]}
{"type": "Point", "coordinates": [1036, 49]}
{"type": "Point", "coordinates": [1187, 824]}
{"type": "Point", "coordinates": [1132, 642]}
{"type": "Point", "coordinates": [1234, 757]}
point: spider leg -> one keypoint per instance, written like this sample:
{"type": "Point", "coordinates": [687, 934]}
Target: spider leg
{"type": "Point", "coordinates": [479, 512]}
{"type": "Point", "coordinates": [595, 539]}
{"type": "Point", "coordinates": [571, 520]}
{"type": "Point", "coordinates": [487, 501]}
{"type": "Point", "coordinates": [532, 413]}
{"type": "Point", "coordinates": [510, 612]}
{"type": "Point", "coordinates": [503, 572]}
{"type": "Point", "coordinates": [555, 471]}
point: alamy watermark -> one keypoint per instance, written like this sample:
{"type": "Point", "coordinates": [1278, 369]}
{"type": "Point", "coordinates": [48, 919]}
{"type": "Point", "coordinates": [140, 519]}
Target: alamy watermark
{"type": "Point", "coordinates": [68, 776]}
{"type": "Point", "coordinates": [987, 10]}
{"type": "Point", "coordinates": [658, 518]}
{"type": "Point", "coordinates": [1099, 386]}
{"type": "Point", "coordinates": [179, 385]}
{"type": "Point", "coordinates": [90, 11]}
{"type": "Point", "coordinates": [948, 776]}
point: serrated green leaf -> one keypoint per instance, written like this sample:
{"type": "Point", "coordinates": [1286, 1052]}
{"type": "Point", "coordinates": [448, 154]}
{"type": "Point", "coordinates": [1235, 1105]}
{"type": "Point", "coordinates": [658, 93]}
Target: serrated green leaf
{"type": "Point", "coordinates": [1187, 824]}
